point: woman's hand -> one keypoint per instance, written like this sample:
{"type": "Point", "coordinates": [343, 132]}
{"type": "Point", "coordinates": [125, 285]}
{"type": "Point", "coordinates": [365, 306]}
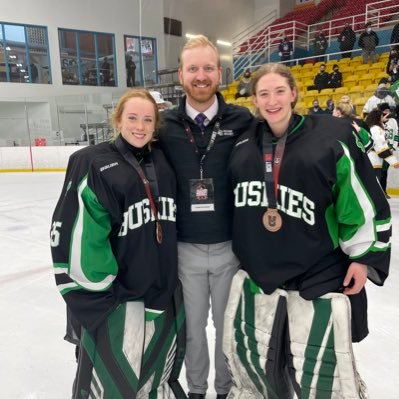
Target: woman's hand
{"type": "Point", "coordinates": [356, 126]}
{"type": "Point", "coordinates": [356, 277]}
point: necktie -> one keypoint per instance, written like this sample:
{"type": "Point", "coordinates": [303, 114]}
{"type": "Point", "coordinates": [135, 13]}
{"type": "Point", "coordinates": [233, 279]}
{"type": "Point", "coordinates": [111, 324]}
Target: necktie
{"type": "Point", "coordinates": [200, 119]}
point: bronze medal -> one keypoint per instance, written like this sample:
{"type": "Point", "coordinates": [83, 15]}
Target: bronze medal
{"type": "Point", "coordinates": [158, 232]}
{"type": "Point", "coordinates": [272, 220]}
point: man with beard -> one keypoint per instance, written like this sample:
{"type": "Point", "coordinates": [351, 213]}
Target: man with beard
{"type": "Point", "coordinates": [197, 139]}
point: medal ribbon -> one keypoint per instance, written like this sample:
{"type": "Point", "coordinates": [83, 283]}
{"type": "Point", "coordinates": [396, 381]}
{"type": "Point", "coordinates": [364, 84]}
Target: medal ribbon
{"type": "Point", "coordinates": [132, 160]}
{"type": "Point", "coordinates": [209, 146]}
{"type": "Point", "coordinates": [272, 164]}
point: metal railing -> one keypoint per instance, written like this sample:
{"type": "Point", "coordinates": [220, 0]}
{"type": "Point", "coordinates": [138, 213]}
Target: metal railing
{"type": "Point", "coordinates": [257, 45]}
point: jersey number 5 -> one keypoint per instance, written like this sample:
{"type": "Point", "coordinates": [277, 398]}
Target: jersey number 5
{"type": "Point", "coordinates": [55, 234]}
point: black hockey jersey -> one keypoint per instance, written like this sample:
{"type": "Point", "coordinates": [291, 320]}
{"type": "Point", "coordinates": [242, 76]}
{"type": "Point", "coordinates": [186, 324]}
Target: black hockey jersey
{"type": "Point", "coordinates": [333, 209]}
{"type": "Point", "coordinates": [103, 241]}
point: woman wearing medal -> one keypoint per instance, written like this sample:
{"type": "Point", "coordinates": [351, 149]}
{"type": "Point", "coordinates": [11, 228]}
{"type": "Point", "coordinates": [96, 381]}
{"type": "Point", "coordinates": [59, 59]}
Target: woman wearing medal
{"type": "Point", "coordinates": [311, 225]}
{"type": "Point", "coordinates": [113, 241]}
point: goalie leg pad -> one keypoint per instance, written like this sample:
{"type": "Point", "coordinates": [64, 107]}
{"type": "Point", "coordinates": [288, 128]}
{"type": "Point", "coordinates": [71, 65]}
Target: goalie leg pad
{"type": "Point", "coordinates": [129, 357]}
{"type": "Point", "coordinates": [278, 343]}
{"type": "Point", "coordinates": [321, 358]}
{"type": "Point", "coordinates": [253, 343]}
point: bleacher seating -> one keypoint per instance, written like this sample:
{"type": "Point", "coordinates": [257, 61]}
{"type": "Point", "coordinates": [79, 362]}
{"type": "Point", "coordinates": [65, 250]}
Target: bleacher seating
{"type": "Point", "coordinates": [359, 82]}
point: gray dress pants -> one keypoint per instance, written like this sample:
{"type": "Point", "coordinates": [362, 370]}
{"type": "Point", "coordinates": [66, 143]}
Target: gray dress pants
{"type": "Point", "coordinates": [206, 271]}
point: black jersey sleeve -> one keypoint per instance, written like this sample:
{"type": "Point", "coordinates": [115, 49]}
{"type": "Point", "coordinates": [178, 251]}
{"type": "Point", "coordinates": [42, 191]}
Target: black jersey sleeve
{"type": "Point", "coordinates": [84, 264]}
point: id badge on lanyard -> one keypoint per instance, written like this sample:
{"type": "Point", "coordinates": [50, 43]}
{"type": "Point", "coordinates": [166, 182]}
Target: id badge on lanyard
{"type": "Point", "coordinates": [202, 191]}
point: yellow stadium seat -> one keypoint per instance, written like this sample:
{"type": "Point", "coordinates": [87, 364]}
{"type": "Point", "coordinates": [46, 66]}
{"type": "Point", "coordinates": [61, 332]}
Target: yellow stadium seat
{"type": "Point", "coordinates": [308, 75]}
{"type": "Point", "coordinates": [369, 90]}
{"type": "Point", "coordinates": [379, 66]}
{"type": "Point", "coordinates": [357, 58]}
{"type": "Point", "coordinates": [339, 92]}
{"type": "Point", "coordinates": [343, 61]}
{"type": "Point", "coordinates": [362, 69]}
{"type": "Point", "coordinates": [301, 108]}
{"type": "Point", "coordinates": [355, 63]}
{"type": "Point", "coordinates": [351, 81]}
{"type": "Point", "coordinates": [296, 68]}
{"type": "Point", "coordinates": [325, 94]}
{"type": "Point", "coordinates": [346, 71]}
{"type": "Point", "coordinates": [359, 101]}
{"type": "Point", "coordinates": [307, 66]}
{"type": "Point", "coordinates": [313, 93]}
{"type": "Point", "coordinates": [308, 100]}
{"type": "Point", "coordinates": [366, 79]}
{"type": "Point", "coordinates": [379, 76]}
{"type": "Point", "coordinates": [306, 83]}
{"type": "Point", "coordinates": [356, 91]}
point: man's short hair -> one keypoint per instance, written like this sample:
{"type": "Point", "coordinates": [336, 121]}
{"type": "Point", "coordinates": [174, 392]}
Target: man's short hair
{"type": "Point", "coordinates": [198, 41]}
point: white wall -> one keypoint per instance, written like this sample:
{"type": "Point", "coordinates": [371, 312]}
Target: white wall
{"type": "Point", "coordinates": [38, 158]}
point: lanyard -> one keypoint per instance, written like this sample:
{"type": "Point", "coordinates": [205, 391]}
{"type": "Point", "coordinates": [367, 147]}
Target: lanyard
{"type": "Point", "coordinates": [209, 147]}
{"type": "Point", "coordinates": [132, 160]}
{"type": "Point", "coordinates": [272, 164]}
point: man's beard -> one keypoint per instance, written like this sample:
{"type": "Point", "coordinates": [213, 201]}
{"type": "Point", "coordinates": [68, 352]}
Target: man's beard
{"type": "Point", "coordinates": [200, 95]}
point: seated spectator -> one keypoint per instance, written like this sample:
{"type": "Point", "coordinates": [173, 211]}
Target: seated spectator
{"type": "Point", "coordinates": [285, 49]}
{"type": "Point", "coordinates": [335, 78]}
{"type": "Point", "coordinates": [381, 95]}
{"type": "Point", "coordinates": [392, 66]}
{"type": "Point", "coordinates": [244, 86]}
{"type": "Point", "coordinates": [330, 106]}
{"type": "Point", "coordinates": [320, 45]}
{"type": "Point", "coordinates": [316, 109]}
{"type": "Point", "coordinates": [347, 40]}
{"type": "Point", "coordinates": [368, 41]}
{"type": "Point", "coordinates": [321, 79]}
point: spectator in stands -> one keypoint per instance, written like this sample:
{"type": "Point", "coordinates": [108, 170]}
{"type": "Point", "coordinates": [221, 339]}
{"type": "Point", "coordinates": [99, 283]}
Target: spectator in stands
{"type": "Point", "coordinates": [335, 78]}
{"type": "Point", "coordinates": [316, 109]}
{"type": "Point", "coordinates": [321, 79]}
{"type": "Point", "coordinates": [320, 45]}
{"type": "Point", "coordinates": [391, 136]}
{"type": "Point", "coordinates": [395, 36]}
{"type": "Point", "coordinates": [381, 95]}
{"type": "Point", "coordinates": [330, 106]}
{"type": "Point", "coordinates": [285, 50]}
{"type": "Point", "coordinates": [392, 68]}
{"type": "Point", "coordinates": [244, 86]}
{"type": "Point", "coordinates": [347, 40]}
{"type": "Point", "coordinates": [368, 41]}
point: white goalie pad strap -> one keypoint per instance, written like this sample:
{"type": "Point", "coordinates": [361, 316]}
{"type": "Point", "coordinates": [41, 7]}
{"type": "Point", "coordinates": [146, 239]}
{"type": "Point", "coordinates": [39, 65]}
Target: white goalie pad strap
{"type": "Point", "coordinates": [321, 346]}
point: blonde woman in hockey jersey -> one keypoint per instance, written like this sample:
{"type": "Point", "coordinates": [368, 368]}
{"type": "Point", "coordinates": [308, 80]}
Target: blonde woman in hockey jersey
{"type": "Point", "coordinates": [311, 225]}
